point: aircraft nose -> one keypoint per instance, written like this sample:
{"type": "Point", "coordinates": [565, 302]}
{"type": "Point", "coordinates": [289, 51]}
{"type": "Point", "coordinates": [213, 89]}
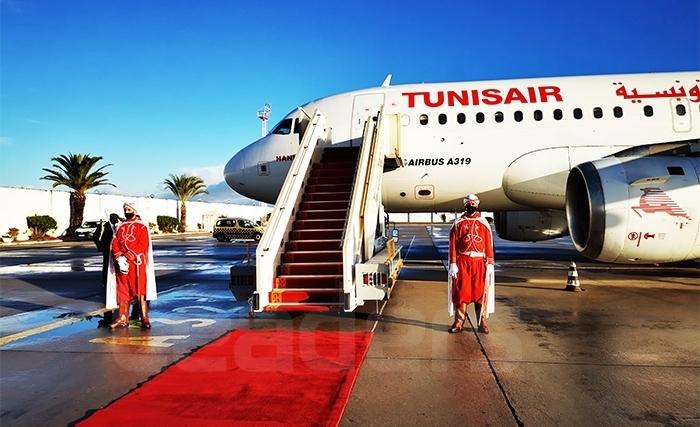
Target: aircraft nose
{"type": "Point", "coordinates": [246, 176]}
{"type": "Point", "coordinates": [234, 172]}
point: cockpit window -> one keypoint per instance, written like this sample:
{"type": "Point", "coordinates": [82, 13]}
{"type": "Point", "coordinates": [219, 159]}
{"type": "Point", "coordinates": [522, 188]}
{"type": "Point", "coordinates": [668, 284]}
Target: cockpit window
{"type": "Point", "coordinates": [283, 128]}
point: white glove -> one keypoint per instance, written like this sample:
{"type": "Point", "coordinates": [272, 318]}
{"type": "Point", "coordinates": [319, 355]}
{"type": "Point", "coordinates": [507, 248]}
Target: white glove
{"type": "Point", "coordinates": [123, 264]}
{"type": "Point", "coordinates": [453, 270]}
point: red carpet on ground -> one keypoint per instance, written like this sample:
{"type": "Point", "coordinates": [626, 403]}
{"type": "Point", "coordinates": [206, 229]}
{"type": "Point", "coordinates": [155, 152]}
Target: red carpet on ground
{"type": "Point", "coordinates": [250, 378]}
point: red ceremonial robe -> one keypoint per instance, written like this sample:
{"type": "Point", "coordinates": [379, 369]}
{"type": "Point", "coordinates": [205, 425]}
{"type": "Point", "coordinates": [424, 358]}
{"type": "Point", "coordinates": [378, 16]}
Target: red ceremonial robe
{"type": "Point", "coordinates": [471, 247]}
{"type": "Point", "coordinates": [132, 240]}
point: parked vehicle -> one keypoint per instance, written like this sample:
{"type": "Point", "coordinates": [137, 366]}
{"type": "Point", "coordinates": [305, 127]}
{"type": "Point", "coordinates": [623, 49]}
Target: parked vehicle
{"type": "Point", "coordinates": [227, 229]}
{"type": "Point", "coordinates": [85, 231]}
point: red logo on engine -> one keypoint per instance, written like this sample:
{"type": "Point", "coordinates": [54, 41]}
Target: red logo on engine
{"type": "Point", "coordinates": [656, 200]}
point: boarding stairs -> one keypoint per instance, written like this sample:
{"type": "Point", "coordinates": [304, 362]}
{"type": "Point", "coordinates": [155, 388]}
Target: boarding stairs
{"type": "Point", "coordinates": [322, 230]}
{"type": "Point", "coordinates": [310, 275]}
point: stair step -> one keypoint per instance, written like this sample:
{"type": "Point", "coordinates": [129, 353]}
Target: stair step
{"type": "Point", "coordinates": [334, 179]}
{"type": "Point", "coordinates": [348, 174]}
{"type": "Point", "coordinates": [329, 188]}
{"type": "Point", "coordinates": [341, 153]}
{"type": "Point", "coordinates": [315, 281]}
{"type": "Point", "coordinates": [318, 224]}
{"type": "Point", "coordinates": [322, 214]}
{"type": "Point", "coordinates": [310, 268]}
{"type": "Point", "coordinates": [315, 205]}
{"type": "Point", "coordinates": [303, 307]}
{"type": "Point", "coordinates": [312, 256]}
{"type": "Point", "coordinates": [311, 197]}
{"type": "Point", "coordinates": [336, 165]}
{"type": "Point", "coordinates": [327, 234]}
{"type": "Point", "coordinates": [314, 245]}
{"type": "Point", "coordinates": [309, 295]}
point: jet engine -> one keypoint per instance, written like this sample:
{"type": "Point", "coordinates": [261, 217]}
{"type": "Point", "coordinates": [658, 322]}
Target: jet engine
{"type": "Point", "coordinates": [635, 209]}
{"type": "Point", "coordinates": [530, 225]}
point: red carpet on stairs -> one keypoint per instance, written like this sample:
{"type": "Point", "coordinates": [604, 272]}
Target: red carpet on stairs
{"type": "Point", "coordinates": [250, 378]}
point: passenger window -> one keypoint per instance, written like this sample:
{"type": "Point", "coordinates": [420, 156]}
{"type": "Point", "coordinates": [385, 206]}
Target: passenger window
{"type": "Point", "coordinates": [518, 116]}
{"type": "Point", "coordinates": [480, 117]}
{"type": "Point", "coordinates": [442, 119]}
{"type": "Point", "coordinates": [578, 113]}
{"type": "Point", "coordinates": [598, 112]}
{"type": "Point", "coordinates": [498, 116]}
{"type": "Point", "coordinates": [617, 112]}
{"type": "Point", "coordinates": [283, 128]}
{"type": "Point", "coordinates": [558, 114]}
{"type": "Point", "coordinates": [423, 119]}
{"type": "Point", "coordinates": [461, 118]}
{"type": "Point", "coordinates": [680, 109]}
{"type": "Point", "coordinates": [648, 110]}
{"type": "Point", "coordinates": [538, 115]}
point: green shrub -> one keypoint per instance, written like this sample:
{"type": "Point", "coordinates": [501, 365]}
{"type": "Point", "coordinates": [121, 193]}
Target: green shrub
{"type": "Point", "coordinates": [13, 232]}
{"type": "Point", "coordinates": [40, 225]}
{"type": "Point", "coordinates": [167, 224]}
{"type": "Point", "coordinates": [180, 227]}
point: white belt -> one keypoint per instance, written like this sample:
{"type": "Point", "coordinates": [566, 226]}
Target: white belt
{"type": "Point", "coordinates": [473, 254]}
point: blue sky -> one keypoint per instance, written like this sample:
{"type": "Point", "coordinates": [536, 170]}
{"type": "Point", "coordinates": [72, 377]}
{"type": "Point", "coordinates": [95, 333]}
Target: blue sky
{"type": "Point", "coordinates": [172, 86]}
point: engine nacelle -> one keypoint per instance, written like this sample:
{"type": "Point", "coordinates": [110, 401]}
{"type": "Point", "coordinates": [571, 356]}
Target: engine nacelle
{"type": "Point", "coordinates": [530, 226]}
{"type": "Point", "coordinates": [635, 209]}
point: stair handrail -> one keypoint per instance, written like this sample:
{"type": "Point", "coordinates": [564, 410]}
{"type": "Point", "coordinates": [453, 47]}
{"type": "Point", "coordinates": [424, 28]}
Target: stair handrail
{"type": "Point", "coordinates": [372, 199]}
{"type": "Point", "coordinates": [268, 253]}
{"type": "Point", "coordinates": [353, 233]}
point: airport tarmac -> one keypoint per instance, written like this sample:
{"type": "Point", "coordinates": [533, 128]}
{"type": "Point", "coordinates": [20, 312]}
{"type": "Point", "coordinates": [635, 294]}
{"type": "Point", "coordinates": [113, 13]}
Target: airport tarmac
{"type": "Point", "coordinates": [624, 351]}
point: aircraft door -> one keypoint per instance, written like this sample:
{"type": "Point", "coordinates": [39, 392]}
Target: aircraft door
{"type": "Point", "coordinates": [680, 111]}
{"type": "Point", "coordinates": [363, 106]}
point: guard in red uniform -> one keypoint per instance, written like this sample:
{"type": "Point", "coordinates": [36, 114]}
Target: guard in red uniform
{"type": "Point", "coordinates": [471, 266]}
{"type": "Point", "coordinates": [132, 273]}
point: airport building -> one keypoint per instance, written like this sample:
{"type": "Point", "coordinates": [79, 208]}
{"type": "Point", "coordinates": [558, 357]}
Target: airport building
{"type": "Point", "coordinates": [19, 203]}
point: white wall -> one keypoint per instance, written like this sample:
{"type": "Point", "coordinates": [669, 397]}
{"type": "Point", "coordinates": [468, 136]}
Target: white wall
{"type": "Point", "coordinates": [19, 203]}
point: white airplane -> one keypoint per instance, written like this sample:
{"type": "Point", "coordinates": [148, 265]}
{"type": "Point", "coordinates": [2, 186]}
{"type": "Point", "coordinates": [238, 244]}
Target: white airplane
{"type": "Point", "coordinates": [612, 160]}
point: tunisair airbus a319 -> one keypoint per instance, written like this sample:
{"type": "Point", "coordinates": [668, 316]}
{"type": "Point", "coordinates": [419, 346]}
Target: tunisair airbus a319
{"type": "Point", "coordinates": [611, 160]}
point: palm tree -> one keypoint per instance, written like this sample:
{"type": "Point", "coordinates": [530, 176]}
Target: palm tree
{"type": "Point", "coordinates": [75, 172]}
{"type": "Point", "coordinates": [185, 187]}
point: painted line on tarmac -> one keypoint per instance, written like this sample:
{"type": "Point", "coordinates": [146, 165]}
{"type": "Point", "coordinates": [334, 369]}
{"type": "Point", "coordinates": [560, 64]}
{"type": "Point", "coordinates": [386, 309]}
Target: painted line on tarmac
{"type": "Point", "coordinates": [144, 341]}
{"type": "Point", "coordinates": [196, 323]}
{"type": "Point", "coordinates": [48, 327]}
{"type": "Point", "coordinates": [409, 247]}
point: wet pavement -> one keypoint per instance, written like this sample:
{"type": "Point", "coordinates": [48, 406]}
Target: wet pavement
{"type": "Point", "coordinates": [625, 351]}
{"type": "Point", "coordinates": [56, 364]}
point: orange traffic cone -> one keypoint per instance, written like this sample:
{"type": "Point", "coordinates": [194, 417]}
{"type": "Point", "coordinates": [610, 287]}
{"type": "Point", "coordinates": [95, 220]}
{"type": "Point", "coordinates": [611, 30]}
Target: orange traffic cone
{"type": "Point", "coordinates": [572, 283]}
